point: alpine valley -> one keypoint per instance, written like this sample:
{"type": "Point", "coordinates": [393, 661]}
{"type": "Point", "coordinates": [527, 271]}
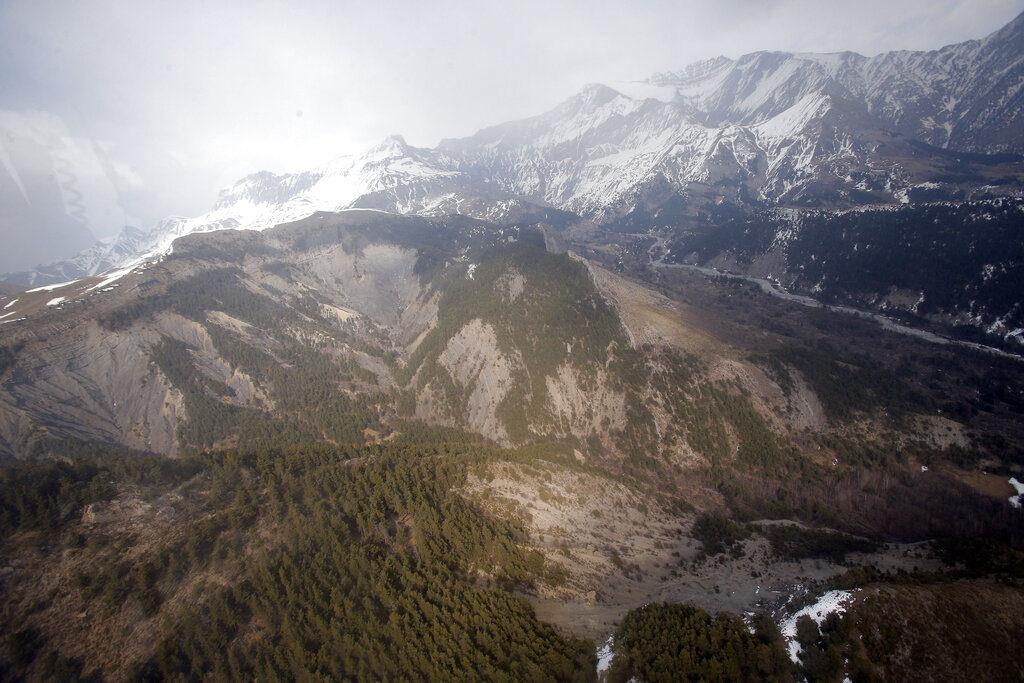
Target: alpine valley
{"type": "Point", "coordinates": [714, 376]}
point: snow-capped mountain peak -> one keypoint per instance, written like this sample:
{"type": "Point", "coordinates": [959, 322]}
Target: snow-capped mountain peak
{"type": "Point", "coordinates": [261, 200]}
{"type": "Point", "coordinates": [966, 96]}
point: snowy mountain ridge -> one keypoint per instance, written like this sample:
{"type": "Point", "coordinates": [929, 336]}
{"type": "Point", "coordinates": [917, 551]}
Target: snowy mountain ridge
{"type": "Point", "coordinates": [966, 96]}
{"type": "Point", "coordinates": [264, 199]}
{"type": "Point", "coordinates": [769, 129]}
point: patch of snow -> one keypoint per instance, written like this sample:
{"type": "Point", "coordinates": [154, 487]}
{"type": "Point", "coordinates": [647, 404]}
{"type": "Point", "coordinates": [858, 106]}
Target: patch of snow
{"type": "Point", "coordinates": [1016, 500]}
{"type": "Point", "coordinates": [54, 302]}
{"type": "Point", "coordinates": [50, 288]}
{"type": "Point", "coordinates": [793, 120]}
{"type": "Point", "coordinates": [10, 303]}
{"type": "Point", "coordinates": [605, 655]}
{"type": "Point", "coordinates": [111, 277]}
{"type": "Point", "coordinates": [470, 270]}
{"type": "Point", "coordinates": [832, 602]}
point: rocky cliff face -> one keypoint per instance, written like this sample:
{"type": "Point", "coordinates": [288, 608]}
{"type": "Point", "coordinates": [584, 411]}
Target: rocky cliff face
{"type": "Point", "coordinates": [85, 368]}
{"type": "Point", "coordinates": [324, 328]}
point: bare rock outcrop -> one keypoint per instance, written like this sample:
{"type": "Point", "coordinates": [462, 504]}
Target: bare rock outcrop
{"type": "Point", "coordinates": [477, 363]}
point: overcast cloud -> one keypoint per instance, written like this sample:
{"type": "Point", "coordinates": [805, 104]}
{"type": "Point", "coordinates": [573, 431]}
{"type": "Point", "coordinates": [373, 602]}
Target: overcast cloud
{"type": "Point", "coordinates": [172, 101]}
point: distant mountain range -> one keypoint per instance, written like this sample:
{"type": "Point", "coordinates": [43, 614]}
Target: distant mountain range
{"type": "Point", "coordinates": [966, 96]}
{"type": "Point", "coordinates": [770, 129]}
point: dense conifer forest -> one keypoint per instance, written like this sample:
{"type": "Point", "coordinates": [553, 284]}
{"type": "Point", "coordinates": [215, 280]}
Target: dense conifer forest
{"type": "Point", "coordinates": [679, 642]}
{"type": "Point", "coordinates": [373, 567]}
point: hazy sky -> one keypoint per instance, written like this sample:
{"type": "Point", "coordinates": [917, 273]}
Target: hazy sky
{"type": "Point", "coordinates": [176, 100]}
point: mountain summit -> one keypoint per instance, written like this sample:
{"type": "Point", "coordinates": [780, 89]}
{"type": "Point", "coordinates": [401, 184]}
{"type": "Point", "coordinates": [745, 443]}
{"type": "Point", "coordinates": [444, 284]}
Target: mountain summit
{"type": "Point", "coordinates": [966, 96]}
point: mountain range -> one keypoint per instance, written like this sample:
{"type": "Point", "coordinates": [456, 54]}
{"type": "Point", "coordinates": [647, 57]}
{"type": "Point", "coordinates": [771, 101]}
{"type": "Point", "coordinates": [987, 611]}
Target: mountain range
{"type": "Point", "coordinates": [770, 129]}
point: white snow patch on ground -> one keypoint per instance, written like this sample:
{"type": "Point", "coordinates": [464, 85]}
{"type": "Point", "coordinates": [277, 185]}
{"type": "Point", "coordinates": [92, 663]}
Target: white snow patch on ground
{"type": "Point", "coordinates": [50, 288]}
{"type": "Point", "coordinates": [112, 276]}
{"type": "Point", "coordinates": [470, 270]}
{"type": "Point", "coordinates": [10, 303]}
{"type": "Point", "coordinates": [605, 655]}
{"type": "Point", "coordinates": [54, 302]}
{"type": "Point", "coordinates": [832, 602]}
{"type": "Point", "coordinates": [1016, 500]}
{"type": "Point", "coordinates": [7, 314]}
